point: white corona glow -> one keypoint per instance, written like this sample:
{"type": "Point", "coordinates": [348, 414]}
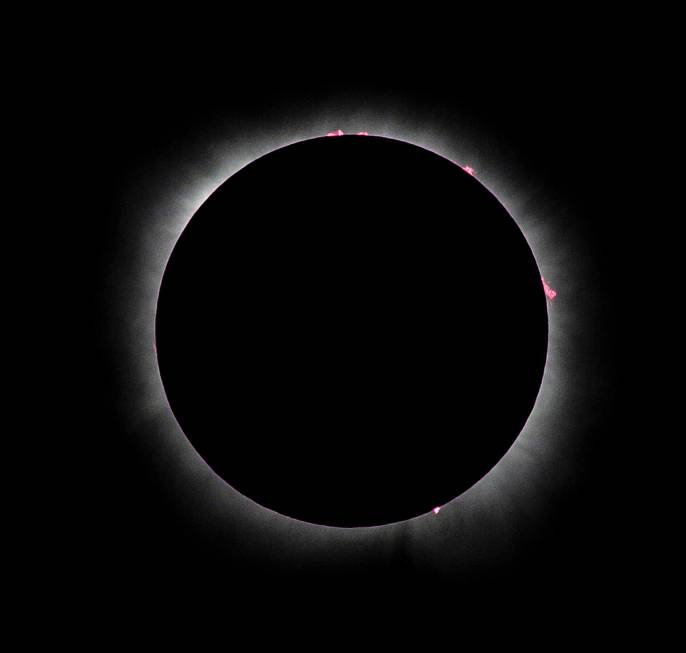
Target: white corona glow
{"type": "Point", "coordinates": [159, 208]}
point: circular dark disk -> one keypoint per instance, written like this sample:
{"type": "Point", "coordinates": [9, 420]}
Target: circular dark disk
{"type": "Point", "coordinates": [351, 331]}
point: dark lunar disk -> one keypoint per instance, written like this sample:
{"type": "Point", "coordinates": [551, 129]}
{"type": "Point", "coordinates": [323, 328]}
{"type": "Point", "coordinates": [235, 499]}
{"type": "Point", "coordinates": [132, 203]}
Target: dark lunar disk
{"type": "Point", "coordinates": [351, 331]}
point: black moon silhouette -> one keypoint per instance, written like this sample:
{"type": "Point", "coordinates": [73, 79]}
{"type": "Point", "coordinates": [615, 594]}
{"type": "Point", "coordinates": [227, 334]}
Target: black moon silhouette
{"type": "Point", "coordinates": [351, 331]}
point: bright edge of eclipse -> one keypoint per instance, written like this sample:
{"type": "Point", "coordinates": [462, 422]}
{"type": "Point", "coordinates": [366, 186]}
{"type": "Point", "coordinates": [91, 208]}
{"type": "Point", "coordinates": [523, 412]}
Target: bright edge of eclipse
{"type": "Point", "coordinates": [522, 476]}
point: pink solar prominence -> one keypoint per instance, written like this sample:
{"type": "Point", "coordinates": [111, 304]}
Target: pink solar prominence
{"type": "Point", "coordinates": [340, 132]}
{"type": "Point", "coordinates": [549, 292]}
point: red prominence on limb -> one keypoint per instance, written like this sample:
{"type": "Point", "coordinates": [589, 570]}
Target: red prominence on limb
{"type": "Point", "coordinates": [549, 292]}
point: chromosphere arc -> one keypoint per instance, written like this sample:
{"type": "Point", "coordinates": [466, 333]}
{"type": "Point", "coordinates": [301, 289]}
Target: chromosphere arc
{"type": "Point", "coordinates": [351, 331]}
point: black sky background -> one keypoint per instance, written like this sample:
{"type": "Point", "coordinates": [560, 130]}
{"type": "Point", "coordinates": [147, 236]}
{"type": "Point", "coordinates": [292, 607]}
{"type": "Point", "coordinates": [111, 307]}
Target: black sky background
{"type": "Point", "coordinates": [562, 117]}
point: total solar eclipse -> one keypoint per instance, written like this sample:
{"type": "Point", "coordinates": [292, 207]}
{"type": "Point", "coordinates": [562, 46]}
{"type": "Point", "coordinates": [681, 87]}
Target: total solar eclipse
{"type": "Point", "coordinates": [351, 331]}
